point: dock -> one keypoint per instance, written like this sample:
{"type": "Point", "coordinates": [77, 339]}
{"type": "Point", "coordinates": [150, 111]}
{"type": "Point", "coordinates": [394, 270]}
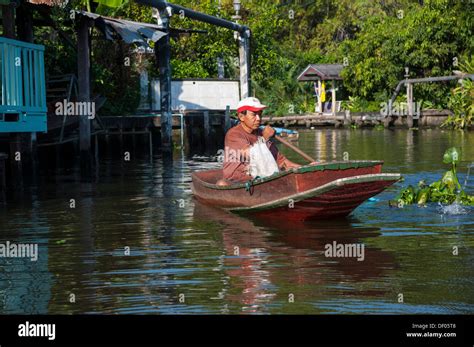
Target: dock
{"type": "Point", "coordinates": [428, 118]}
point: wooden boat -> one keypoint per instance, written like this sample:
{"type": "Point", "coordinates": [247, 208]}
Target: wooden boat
{"type": "Point", "coordinates": [320, 191]}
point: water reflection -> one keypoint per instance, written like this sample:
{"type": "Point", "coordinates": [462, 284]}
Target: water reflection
{"type": "Point", "coordinates": [223, 263]}
{"type": "Point", "coordinates": [256, 250]}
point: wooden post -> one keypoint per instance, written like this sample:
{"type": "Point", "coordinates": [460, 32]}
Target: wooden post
{"type": "Point", "coordinates": [8, 18]}
{"type": "Point", "coordinates": [3, 184]}
{"type": "Point", "coordinates": [410, 105]}
{"type": "Point", "coordinates": [121, 138]}
{"type": "Point", "coordinates": [16, 159]}
{"type": "Point", "coordinates": [227, 123]}
{"type": "Point", "coordinates": [24, 20]}
{"type": "Point", "coordinates": [96, 150]}
{"type": "Point", "coordinates": [83, 81]}
{"type": "Point", "coordinates": [333, 97]}
{"type": "Point", "coordinates": [244, 58]}
{"type": "Point", "coordinates": [207, 130]}
{"type": "Point", "coordinates": [320, 104]}
{"type": "Point", "coordinates": [150, 144]}
{"type": "Point", "coordinates": [134, 140]}
{"type": "Point", "coordinates": [347, 118]}
{"type": "Point", "coordinates": [163, 55]}
{"type": "Point", "coordinates": [16, 153]}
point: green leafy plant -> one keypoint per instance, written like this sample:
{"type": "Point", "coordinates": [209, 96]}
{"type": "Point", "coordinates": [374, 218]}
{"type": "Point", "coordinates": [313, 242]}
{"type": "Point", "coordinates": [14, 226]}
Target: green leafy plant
{"type": "Point", "coordinates": [357, 104]}
{"type": "Point", "coordinates": [446, 191]}
{"type": "Point", "coordinates": [353, 104]}
{"type": "Point", "coordinates": [461, 100]}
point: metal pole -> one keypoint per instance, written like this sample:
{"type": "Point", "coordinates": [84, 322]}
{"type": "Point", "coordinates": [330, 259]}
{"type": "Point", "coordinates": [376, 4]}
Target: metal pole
{"type": "Point", "coordinates": [180, 10]}
{"type": "Point", "coordinates": [244, 64]}
{"type": "Point", "coordinates": [410, 104]}
{"type": "Point", "coordinates": [244, 43]}
{"type": "Point", "coordinates": [426, 79]}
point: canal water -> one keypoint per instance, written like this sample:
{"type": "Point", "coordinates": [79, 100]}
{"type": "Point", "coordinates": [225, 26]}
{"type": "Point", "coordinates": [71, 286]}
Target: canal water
{"type": "Point", "coordinates": [132, 240]}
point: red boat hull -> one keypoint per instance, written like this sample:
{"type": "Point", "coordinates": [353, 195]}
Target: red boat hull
{"type": "Point", "coordinates": [339, 202]}
{"type": "Point", "coordinates": [312, 192]}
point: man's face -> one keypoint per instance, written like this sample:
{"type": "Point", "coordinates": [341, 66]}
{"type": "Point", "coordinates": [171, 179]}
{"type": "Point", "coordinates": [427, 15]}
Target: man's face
{"type": "Point", "coordinates": [251, 119]}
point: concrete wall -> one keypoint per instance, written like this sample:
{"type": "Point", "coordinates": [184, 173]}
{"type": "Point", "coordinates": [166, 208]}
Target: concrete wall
{"type": "Point", "coordinates": [198, 94]}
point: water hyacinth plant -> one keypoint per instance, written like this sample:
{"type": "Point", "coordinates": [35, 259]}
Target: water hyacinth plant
{"type": "Point", "coordinates": [446, 191]}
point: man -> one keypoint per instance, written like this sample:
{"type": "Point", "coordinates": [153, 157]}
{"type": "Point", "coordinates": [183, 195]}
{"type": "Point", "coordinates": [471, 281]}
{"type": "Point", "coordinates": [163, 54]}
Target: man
{"type": "Point", "coordinates": [241, 137]}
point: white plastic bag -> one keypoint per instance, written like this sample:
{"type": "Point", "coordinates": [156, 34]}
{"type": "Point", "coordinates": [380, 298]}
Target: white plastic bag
{"type": "Point", "coordinates": [262, 162]}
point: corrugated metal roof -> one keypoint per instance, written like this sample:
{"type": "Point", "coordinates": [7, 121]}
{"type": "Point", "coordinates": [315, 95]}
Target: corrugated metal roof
{"type": "Point", "coordinates": [130, 32]}
{"type": "Point", "coordinates": [47, 2]}
{"type": "Point", "coordinates": [315, 72]}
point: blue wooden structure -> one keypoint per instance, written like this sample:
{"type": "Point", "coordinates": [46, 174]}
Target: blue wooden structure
{"type": "Point", "coordinates": [23, 95]}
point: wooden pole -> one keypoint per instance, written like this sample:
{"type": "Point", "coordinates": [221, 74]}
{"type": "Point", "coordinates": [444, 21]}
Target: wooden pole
{"type": "Point", "coordinates": [17, 156]}
{"type": "Point", "coordinates": [83, 81]}
{"type": "Point", "coordinates": [333, 97]}
{"type": "Point", "coordinates": [8, 18]}
{"type": "Point", "coordinates": [294, 148]}
{"type": "Point", "coordinates": [320, 104]}
{"type": "Point", "coordinates": [227, 123]}
{"type": "Point", "coordinates": [207, 130]}
{"type": "Point", "coordinates": [347, 118]}
{"type": "Point", "coordinates": [24, 22]}
{"type": "Point", "coordinates": [15, 141]}
{"type": "Point", "coordinates": [24, 19]}
{"type": "Point", "coordinates": [83, 78]}
{"type": "Point", "coordinates": [3, 185]}
{"type": "Point", "coordinates": [163, 55]}
{"type": "Point", "coordinates": [150, 144]}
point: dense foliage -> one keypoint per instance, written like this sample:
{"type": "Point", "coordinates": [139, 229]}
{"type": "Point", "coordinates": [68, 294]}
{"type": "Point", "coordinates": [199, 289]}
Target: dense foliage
{"type": "Point", "coordinates": [461, 101]}
{"type": "Point", "coordinates": [376, 41]}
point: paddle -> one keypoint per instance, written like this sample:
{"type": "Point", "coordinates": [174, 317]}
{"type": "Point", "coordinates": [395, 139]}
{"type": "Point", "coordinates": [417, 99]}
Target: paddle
{"type": "Point", "coordinates": [294, 148]}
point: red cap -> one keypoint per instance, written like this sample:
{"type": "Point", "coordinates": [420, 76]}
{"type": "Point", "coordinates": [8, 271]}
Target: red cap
{"type": "Point", "coordinates": [250, 104]}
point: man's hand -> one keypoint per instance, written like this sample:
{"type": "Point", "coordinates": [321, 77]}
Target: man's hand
{"type": "Point", "coordinates": [290, 165]}
{"type": "Point", "coordinates": [268, 132]}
